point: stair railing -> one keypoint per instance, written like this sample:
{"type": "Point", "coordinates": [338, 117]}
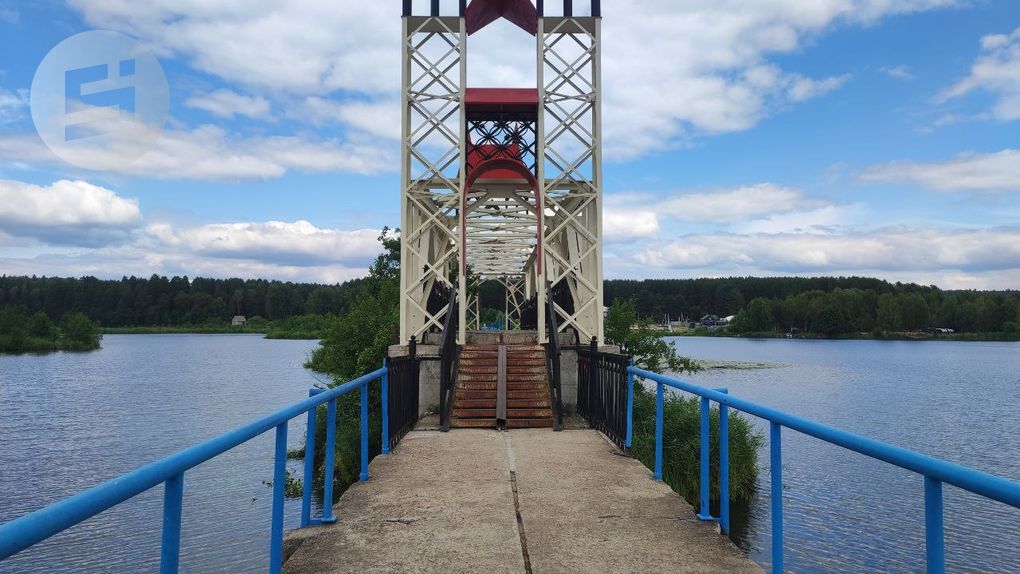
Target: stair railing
{"type": "Point", "coordinates": [552, 360]}
{"type": "Point", "coordinates": [449, 354]}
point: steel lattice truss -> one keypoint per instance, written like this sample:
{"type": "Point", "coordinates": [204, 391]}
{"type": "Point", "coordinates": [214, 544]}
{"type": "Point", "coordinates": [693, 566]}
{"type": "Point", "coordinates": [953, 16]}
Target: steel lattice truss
{"type": "Point", "coordinates": [570, 167]}
{"type": "Point", "coordinates": [434, 69]}
{"type": "Point", "coordinates": [501, 228]}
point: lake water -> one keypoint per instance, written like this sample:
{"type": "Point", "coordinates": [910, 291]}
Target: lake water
{"type": "Point", "coordinates": [69, 421]}
{"type": "Point", "coordinates": [845, 512]}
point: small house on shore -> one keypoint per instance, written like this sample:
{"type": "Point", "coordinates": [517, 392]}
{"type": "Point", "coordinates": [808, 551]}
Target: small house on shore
{"type": "Point", "coordinates": [238, 321]}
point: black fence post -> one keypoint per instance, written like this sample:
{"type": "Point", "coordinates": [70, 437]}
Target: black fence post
{"type": "Point", "coordinates": [435, 8]}
{"type": "Point", "coordinates": [407, 7]}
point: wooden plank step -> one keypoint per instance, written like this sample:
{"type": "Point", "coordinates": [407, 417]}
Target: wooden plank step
{"type": "Point", "coordinates": [474, 413]}
{"type": "Point", "coordinates": [473, 423]}
{"type": "Point", "coordinates": [527, 413]}
{"type": "Point", "coordinates": [524, 395]}
{"type": "Point", "coordinates": [461, 403]}
{"type": "Point", "coordinates": [477, 386]}
{"type": "Point", "coordinates": [530, 423]}
{"type": "Point", "coordinates": [527, 387]}
{"type": "Point", "coordinates": [527, 404]}
{"type": "Point", "coordinates": [477, 395]}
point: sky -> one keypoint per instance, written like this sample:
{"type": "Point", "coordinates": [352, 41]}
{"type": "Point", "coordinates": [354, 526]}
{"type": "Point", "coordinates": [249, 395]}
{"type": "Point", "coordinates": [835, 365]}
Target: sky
{"type": "Point", "coordinates": [756, 137]}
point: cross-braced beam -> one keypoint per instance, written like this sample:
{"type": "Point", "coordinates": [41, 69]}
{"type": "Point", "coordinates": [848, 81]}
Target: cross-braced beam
{"type": "Point", "coordinates": [570, 168]}
{"type": "Point", "coordinates": [434, 71]}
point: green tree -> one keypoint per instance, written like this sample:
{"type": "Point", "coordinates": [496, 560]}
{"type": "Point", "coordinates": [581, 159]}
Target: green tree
{"type": "Point", "coordinates": [78, 332]}
{"type": "Point", "coordinates": [40, 326]}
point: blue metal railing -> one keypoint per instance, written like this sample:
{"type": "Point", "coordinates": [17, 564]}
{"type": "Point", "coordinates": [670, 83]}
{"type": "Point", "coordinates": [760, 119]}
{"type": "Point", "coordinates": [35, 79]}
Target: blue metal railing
{"type": "Point", "coordinates": [935, 471]}
{"type": "Point", "coordinates": [33, 528]}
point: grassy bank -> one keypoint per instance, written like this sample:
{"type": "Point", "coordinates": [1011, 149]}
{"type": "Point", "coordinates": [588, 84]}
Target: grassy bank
{"type": "Point", "coordinates": [297, 327]}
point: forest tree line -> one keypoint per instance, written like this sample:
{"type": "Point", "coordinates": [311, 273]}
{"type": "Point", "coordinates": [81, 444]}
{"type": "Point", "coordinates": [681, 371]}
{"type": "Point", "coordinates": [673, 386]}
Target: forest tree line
{"type": "Point", "coordinates": [163, 301]}
{"type": "Point", "coordinates": [825, 305]}
{"type": "Point", "coordinates": [822, 305]}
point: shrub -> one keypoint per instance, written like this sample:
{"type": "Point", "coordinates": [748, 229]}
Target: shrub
{"type": "Point", "coordinates": [681, 416]}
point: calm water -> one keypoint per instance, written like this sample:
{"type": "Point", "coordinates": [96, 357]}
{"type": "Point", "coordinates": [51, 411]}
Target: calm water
{"type": "Point", "coordinates": [847, 513]}
{"type": "Point", "coordinates": [69, 421]}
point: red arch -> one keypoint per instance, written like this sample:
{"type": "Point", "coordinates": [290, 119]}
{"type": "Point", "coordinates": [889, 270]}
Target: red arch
{"type": "Point", "coordinates": [501, 164]}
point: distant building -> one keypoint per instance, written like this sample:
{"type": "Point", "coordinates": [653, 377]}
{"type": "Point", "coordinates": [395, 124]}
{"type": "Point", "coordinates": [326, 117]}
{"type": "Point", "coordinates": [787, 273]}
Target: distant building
{"type": "Point", "coordinates": [238, 321]}
{"type": "Point", "coordinates": [709, 320]}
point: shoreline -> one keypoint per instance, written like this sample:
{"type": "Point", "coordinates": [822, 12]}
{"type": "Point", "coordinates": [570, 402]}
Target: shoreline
{"type": "Point", "coordinates": [920, 337]}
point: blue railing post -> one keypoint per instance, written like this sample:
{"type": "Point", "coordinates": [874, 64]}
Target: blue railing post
{"type": "Point", "coordinates": [173, 501]}
{"type": "Point", "coordinates": [776, 468]}
{"type": "Point", "coordinates": [934, 538]}
{"type": "Point", "coordinates": [704, 480]}
{"type": "Point", "coordinates": [327, 474]}
{"type": "Point", "coordinates": [364, 432]}
{"type": "Point", "coordinates": [279, 490]}
{"type": "Point", "coordinates": [659, 395]}
{"type": "Point", "coordinates": [724, 466]}
{"type": "Point", "coordinates": [384, 385]}
{"type": "Point", "coordinates": [630, 408]}
{"type": "Point", "coordinates": [306, 487]}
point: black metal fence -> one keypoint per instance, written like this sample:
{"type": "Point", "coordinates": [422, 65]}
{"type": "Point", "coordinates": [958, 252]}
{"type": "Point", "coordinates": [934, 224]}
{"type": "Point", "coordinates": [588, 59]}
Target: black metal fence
{"type": "Point", "coordinates": [552, 357]}
{"type": "Point", "coordinates": [403, 393]}
{"type": "Point", "coordinates": [449, 356]}
{"type": "Point", "coordinates": [602, 391]}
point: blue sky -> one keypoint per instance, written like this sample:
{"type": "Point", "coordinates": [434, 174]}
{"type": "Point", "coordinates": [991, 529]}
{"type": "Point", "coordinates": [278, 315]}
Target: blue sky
{"type": "Point", "coordinates": [868, 137]}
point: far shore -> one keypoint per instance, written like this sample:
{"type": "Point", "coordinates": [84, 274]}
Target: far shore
{"type": "Point", "coordinates": [884, 336]}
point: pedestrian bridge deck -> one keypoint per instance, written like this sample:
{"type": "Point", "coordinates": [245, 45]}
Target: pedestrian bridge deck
{"type": "Point", "coordinates": [528, 500]}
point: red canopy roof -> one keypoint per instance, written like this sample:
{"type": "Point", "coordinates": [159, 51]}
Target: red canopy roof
{"type": "Point", "coordinates": [481, 13]}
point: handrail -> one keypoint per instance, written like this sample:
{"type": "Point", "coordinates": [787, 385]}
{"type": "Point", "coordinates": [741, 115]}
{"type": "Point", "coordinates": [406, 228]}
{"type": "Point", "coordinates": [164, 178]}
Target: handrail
{"type": "Point", "coordinates": [28, 530]}
{"type": "Point", "coordinates": [934, 470]}
{"type": "Point", "coordinates": [448, 356]}
{"type": "Point", "coordinates": [553, 364]}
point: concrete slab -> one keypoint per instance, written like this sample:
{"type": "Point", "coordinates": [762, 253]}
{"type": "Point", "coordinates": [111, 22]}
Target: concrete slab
{"type": "Point", "coordinates": [449, 502]}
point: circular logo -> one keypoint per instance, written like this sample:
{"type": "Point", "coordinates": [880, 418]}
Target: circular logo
{"type": "Point", "coordinates": [99, 100]}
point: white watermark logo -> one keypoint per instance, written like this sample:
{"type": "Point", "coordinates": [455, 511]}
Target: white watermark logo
{"type": "Point", "coordinates": [99, 100]}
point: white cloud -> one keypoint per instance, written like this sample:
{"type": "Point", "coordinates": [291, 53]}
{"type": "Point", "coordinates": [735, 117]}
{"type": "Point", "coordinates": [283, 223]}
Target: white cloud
{"type": "Point", "coordinates": [297, 243]}
{"type": "Point", "coordinates": [734, 204]}
{"type": "Point", "coordinates": [888, 250]}
{"type": "Point", "coordinates": [211, 153]}
{"type": "Point", "coordinates": [900, 72]}
{"type": "Point", "coordinates": [822, 220]}
{"type": "Point", "coordinates": [999, 171]}
{"type": "Point", "coordinates": [671, 69]}
{"type": "Point", "coordinates": [228, 104]}
{"type": "Point", "coordinates": [66, 212]}
{"type": "Point", "coordinates": [628, 224]}
{"type": "Point", "coordinates": [379, 118]}
{"type": "Point", "coordinates": [996, 70]}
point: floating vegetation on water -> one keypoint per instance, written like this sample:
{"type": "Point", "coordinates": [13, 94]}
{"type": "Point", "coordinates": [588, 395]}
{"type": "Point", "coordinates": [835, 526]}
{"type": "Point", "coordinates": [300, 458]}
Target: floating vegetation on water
{"type": "Point", "coordinates": [737, 365]}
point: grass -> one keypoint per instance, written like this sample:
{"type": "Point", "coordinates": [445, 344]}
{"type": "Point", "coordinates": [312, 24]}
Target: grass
{"type": "Point", "coordinates": [681, 446]}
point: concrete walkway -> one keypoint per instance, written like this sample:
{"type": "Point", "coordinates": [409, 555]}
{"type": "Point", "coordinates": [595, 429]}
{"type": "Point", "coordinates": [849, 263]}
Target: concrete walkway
{"type": "Point", "coordinates": [524, 501]}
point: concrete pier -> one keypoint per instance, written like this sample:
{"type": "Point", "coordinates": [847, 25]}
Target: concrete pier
{"type": "Point", "coordinates": [524, 501]}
